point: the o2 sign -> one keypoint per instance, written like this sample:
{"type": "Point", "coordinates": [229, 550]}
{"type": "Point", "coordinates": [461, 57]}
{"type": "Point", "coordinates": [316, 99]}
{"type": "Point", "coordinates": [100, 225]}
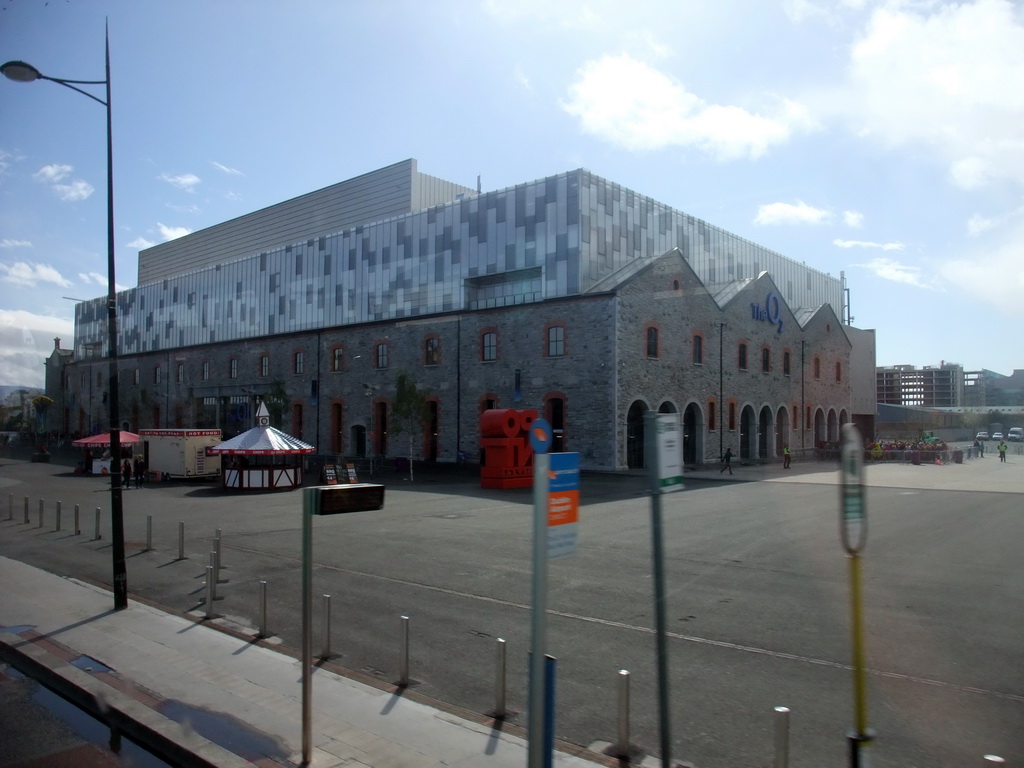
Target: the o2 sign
{"type": "Point", "coordinates": [771, 312]}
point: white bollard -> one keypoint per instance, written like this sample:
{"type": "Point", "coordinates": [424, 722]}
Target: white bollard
{"type": "Point", "coordinates": [210, 591]}
{"type": "Point", "coordinates": [97, 538]}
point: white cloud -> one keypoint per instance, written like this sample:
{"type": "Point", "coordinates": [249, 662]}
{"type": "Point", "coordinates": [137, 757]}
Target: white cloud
{"type": "Point", "coordinates": [994, 275]}
{"type": "Point", "coordinates": [633, 105]}
{"type": "Point", "coordinates": [978, 224]}
{"type": "Point", "coordinates": [171, 233]}
{"type": "Point", "coordinates": [225, 169]}
{"type": "Point", "coordinates": [868, 244]}
{"type": "Point", "coordinates": [854, 219]}
{"type": "Point", "coordinates": [948, 76]}
{"type": "Point", "coordinates": [520, 77]}
{"type": "Point", "coordinates": [26, 339]}
{"type": "Point", "coordinates": [141, 243]}
{"type": "Point", "coordinates": [75, 191]}
{"type": "Point", "coordinates": [51, 174]}
{"type": "Point", "coordinates": [93, 277]}
{"type": "Point", "coordinates": [897, 272]}
{"type": "Point", "coordinates": [72, 192]}
{"type": "Point", "coordinates": [8, 243]}
{"type": "Point", "coordinates": [786, 213]}
{"type": "Point", "coordinates": [30, 275]}
{"type": "Point", "coordinates": [185, 181]}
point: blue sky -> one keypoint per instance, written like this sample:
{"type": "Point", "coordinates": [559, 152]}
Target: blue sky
{"type": "Point", "coordinates": [884, 139]}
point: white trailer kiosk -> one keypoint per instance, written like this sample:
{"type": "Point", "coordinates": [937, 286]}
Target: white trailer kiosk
{"type": "Point", "coordinates": [181, 452]}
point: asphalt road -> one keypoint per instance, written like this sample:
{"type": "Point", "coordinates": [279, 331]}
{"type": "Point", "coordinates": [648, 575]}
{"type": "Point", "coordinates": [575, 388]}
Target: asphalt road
{"type": "Point", "coordinates": [758, 598]}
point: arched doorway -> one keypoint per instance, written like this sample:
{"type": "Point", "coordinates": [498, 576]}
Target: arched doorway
{"type": "Point", "coordinates": [635, 435]}
{"type": "Point", "coordinates": [833, 426]}
{"type": "Point", "coordinates": [748, 431]}
{"type": "Point", "coordinates": [764, 431]}
{"type": "Point", "coordinates": [819, 428]}
{"type": "Point", "coordinates": [693, 421]}
{"type": "Point", "coordinates": [358, 439]}
{"type": "Point", "coordinates": [781, 429]}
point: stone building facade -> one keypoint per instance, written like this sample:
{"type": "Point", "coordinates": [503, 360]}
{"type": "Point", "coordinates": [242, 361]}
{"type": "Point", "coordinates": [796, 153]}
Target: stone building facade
{"type": "Point", "coordinates": [569, 295]}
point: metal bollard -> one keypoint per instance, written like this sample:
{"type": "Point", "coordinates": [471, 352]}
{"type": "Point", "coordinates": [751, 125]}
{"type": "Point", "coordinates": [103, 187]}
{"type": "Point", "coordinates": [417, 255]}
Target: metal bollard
{"type": "Point", "coordinates": [211, 590]}
{"type": "Point", "coordinates": [217, 544]}
{"type": "Point", "coordinates": [622, 745]}
{"type": "Point", "coordinates": [181, 540]}
{"type": "Point", "coordinates": [41, 505]}
{"type": "Point", "coordinates": [781, 737]}
{"type": "Point", "coordinates": [58, 517]}
{"type": "Point", "coordinates": [994, 760]}
{"type": "Point", "coordinates": [263, 608]}
{"type": "Point", "coordinates": [500, 678]}
{"type": "Point", "coordinates": [326, 631]}
{"type": "Point", "coordinates": [26, 510]}
{"type": "Point", "coordinates": [78, 528]}
{"type": "Point", "coordinates": [216, 575]}
{"type": "Point", "coordinates": [149, 532]}
{"type": "Point", "coordinates": [403, 674]}
{"type": "Point", "coordinates": [97, 538]}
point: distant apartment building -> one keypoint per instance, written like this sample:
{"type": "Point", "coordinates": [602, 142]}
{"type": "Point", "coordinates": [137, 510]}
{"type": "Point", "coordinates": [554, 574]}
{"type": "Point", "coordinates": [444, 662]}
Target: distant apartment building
{"type": "Point", "coordinates": [987, 388]}
{"type": "Point", "coordinates": [929, 387]}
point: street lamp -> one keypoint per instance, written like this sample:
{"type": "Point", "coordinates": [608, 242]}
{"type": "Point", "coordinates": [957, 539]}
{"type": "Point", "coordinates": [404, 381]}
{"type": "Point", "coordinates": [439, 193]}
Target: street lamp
{"type": "Point", "coordinates": [21, 72]}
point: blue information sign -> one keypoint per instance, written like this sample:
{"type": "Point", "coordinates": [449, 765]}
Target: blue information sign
{"type": "Point", "coordinates": [563, 503]}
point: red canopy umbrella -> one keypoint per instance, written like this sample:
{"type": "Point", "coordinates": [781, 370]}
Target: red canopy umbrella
{"type": "Point", "coordinates": [102, 440]}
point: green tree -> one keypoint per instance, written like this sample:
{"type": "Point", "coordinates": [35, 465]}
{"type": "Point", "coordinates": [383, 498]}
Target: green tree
{"type": "Point", "coordinates": [408, 411]}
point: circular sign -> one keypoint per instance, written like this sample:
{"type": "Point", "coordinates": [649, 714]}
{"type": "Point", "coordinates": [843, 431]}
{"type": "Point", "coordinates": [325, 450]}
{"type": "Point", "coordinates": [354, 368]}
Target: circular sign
{"type": "Point", "coordinates": [540, 436]}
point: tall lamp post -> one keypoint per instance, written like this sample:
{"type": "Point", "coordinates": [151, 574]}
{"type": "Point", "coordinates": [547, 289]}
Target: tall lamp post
{"type": "Point", "coordinates": [21, 72]}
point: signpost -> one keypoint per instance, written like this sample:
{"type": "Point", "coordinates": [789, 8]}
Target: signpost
{"type": "Point", "coordinates": [320, 501]}
{"type": "Point", "coordinates": [853, 531]}
{"type": "Point", "coordinates": [563, 503]}
{"type": "Point", "coordinates": [664, 453]}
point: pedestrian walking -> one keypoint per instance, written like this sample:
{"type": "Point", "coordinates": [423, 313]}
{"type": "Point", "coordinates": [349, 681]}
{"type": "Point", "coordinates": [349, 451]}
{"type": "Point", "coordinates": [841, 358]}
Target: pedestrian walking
{"type": "Point", "coordinates": [126, 474]}
{"type": "Point", "coordinates": [785, 457]}
{"type": "Point", "coordinates": [1002, 451]}
{"type": "Point", "coordinates": [140, 470]}
{"type": "Point", "coordinates": [727, 461]}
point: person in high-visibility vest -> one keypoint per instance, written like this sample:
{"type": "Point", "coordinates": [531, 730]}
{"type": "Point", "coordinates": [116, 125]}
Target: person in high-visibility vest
{"type": "Point", "coordinates": [785, 457]}
{"type": "Point", "coordinates": [1002, 451]}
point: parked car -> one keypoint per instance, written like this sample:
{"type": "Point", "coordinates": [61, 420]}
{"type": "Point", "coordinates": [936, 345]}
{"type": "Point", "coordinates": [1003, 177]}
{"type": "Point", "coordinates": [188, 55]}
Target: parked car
{"type": "Point", "coordinates": [997, 435]}
{"type": "Point", "coordinates": [1016, 435]}
{"type": "Point", "coordinates": [981, 436]}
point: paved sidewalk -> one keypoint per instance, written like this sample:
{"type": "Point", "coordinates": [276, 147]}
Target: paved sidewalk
{"type": "Point", "coordinates": [238, 692]}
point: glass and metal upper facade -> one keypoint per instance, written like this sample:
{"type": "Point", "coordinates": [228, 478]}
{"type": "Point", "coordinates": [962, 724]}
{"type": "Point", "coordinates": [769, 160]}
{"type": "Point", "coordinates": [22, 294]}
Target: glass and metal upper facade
{"type": "Point", "coordinates": [554, 237]}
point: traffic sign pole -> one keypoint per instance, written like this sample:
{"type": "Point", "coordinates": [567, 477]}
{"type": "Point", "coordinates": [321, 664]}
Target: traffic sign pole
{"type": "Point", "coordinates": [540, 440]}
{"type": "Point", "coordinates": [853, 528]}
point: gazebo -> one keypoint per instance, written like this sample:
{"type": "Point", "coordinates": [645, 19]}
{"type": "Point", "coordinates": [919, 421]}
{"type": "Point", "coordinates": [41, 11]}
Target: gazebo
{"type": "Point", "coordinates": [263, 458]}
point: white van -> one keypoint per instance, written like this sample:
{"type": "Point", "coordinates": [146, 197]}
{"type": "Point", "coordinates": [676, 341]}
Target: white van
{"type": "Point", "coordinates": [1015, 435]}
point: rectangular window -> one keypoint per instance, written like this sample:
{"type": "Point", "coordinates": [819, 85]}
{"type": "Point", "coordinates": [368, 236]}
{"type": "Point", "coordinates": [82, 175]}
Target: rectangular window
{"type": "Point", "coordinates": [299, 362]}
{"type": "Point", "coordinates": [807, 417]}
{"type": "Point", "coordinates": [265, 365]}
{"type": "Point", "coordinates": [556, 341]}
{"type": "Point", "coordinates": [785, 363]}
{"type": "Point", "coordinates": [156, 375]}
{"type": "Point", "coordinates": [766, 360]}
{"type": "Point", "coordinates": [712, 415]}
{"type": "Point", "coordinates": [337, 358]}
{"type": "Point", "coordinates": [135, 377]}
{"type": "Point", "coordinates": [206, 371]}
{"type": "Point", "coordinates": [382, 355]}
{"type": "Point", "coordinates": [817, 367]}
{"type": "Point", "coordinates": [732, 416]}
{"type": "Point", "coordinates": [432, 351]}
{"type": "Point", "coordinates": [743, 357]}
{"type": "Point", "coordinates": [796, 418]}
{"type": "Point", "coordinates": [698, 351]}
{"type": "Point", "coordinates": [652, 342]}
{"type": "Point", "coordinates": [233, 369]}
{"type": "Point", "coordinates": [839, 371]}
{"type": "Point", "coordinates": [489, 347]}
{"type": "Point", "coordinates": [181, 373]}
